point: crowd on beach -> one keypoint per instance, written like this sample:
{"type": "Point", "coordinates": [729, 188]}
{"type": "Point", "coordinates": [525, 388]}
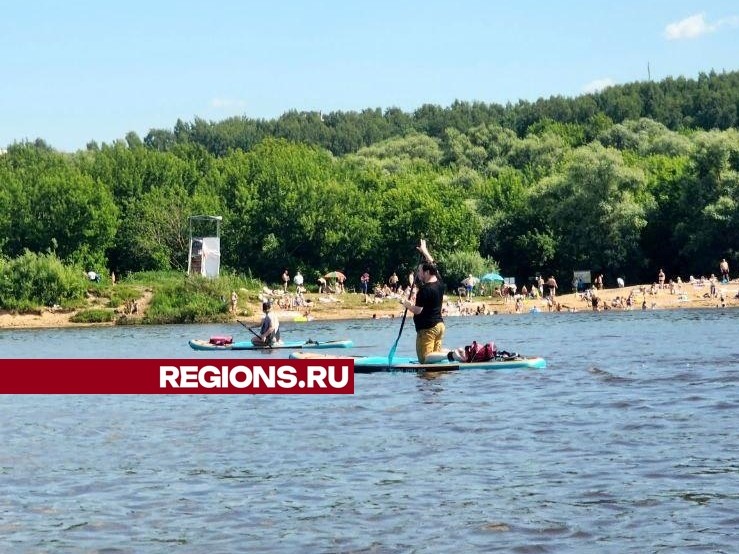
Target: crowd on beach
{"type": "Point", "coordinates": [329, 288]}
{"type": "Point", "coordinates": [472, 298]}
{"type": "Point", "coordinates": [646, 297]}
{"type": "Point", "coordinates": [544, 294]}
{"type": "Point", "coordinates": [591, 296]}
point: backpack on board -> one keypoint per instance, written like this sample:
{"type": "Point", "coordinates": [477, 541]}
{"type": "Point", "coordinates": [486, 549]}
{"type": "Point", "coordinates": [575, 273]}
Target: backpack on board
{"type": "Point", "coordinates": [479, 352]}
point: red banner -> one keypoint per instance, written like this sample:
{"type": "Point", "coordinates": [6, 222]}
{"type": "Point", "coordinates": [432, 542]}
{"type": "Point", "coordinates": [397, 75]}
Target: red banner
{"type": "Point", "coordinates": [149, 376]}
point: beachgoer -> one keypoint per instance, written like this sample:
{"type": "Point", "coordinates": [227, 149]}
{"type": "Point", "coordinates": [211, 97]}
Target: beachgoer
{"type": "Point", "coordinates": [427, 308]}
{"type": "Point", "coordinates": [269, 333]}
{"type": "Point", "coordinates": [234, 301]}
{"type": "Point", "coordinates": [724, 267]}
{"type": "Point", "coordinates": [285, 279]}
{"type": "Point", "coordinates": [661, 278]}
{"type": "Point", "coordinates": [364, 281]}
{"type": "Point", "coordinates": [469, 283]}
{"type": "Point", "coordinates": [393, 282]}
{"type": "Point", "coordinates": [552, 284]}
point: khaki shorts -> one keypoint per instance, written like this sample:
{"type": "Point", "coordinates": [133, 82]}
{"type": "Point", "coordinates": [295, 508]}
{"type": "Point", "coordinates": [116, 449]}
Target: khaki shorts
{"type": "Point", "coordinates": [429, 340]}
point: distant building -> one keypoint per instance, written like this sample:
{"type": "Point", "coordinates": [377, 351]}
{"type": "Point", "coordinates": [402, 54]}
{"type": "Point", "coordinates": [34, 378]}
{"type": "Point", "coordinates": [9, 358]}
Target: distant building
{"type": "Point", "coordinates": [205, 251]}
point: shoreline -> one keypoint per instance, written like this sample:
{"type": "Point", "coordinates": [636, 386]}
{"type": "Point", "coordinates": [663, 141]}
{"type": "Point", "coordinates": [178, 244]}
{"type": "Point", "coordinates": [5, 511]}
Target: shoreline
{"type": "Point", "coordinates": [688, 297]}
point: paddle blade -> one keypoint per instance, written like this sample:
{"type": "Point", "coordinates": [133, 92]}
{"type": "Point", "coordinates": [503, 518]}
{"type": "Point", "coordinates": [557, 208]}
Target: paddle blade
{"type": "Point", "coordinates": [391, 354]}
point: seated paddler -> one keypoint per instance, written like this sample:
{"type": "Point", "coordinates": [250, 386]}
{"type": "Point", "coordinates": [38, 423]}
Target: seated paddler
{"type": "Point", "coordinates": [269, 332]}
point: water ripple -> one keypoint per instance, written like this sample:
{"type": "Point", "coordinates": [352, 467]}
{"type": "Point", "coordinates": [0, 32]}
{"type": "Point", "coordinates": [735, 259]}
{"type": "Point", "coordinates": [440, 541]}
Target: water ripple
{"type": "Point", "coordinates": [624, 444]}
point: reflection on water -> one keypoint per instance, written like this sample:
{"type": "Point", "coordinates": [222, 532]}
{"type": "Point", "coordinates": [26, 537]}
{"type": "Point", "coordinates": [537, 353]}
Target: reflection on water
{"type": "Point", "coordinates": [627, 442]}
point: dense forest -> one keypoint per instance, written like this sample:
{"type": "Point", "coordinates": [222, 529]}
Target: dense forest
{"type": "Point", "coordinates": [626, 181]}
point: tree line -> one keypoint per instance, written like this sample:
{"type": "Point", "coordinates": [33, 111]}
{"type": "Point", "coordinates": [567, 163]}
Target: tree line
{"type": "Point", "coordinates": [545, 187]}
{"type": "Point", "coordinates": [709, 102]}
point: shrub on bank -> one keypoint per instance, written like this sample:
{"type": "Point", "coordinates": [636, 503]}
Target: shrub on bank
{"type": "Point", "coordinates": [31, 281]}
{"type": "Point", "coordinates": [191, 299]}
{"type": "Point", "coordinates": [39, 280]}
{"type": "Point", "coordinates": [120, 294]}
{"type": "Point", "coordinates": [95, 315]}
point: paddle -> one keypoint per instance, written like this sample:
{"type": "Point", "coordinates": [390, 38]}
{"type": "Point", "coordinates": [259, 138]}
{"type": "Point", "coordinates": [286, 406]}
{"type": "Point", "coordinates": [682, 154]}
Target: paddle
{"type": "Point", "coordinates": [391, 355]}
{"type": "Point", "coordinates": [253, 333]}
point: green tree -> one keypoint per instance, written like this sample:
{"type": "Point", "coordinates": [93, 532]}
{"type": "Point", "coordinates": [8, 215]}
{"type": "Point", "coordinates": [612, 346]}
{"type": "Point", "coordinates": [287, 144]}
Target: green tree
{"type": "Point", "coordinates": [708, 200]}
{"type": "Point", "coordinates": [457, 266]}
{"type": "Point", "coordinates": [154, 233]}
{"type": "Point", "coordinates": [54, 206]}
{"type": "Point", "coordinates": [289, 206]}
{"type": "Point", "coordinates": [414, 207]}
{"type": "Point", "coordinates": [664, 180]}
{"type": "Point", "coordinates": [414, 148]}
{"type": "Point", "coordinates": [597, 209]}
{"type": "Point", "coordinates": [514, 232]}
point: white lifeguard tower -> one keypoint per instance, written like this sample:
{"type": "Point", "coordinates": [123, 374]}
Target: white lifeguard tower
{"type": "Point", "coordinates": [205, 251]}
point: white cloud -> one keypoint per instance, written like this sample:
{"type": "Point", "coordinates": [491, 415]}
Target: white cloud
{"type": "Point", "coordinates": [696, 25]}
{"type": "Point", "coordinates": [227, 104]}
{"type": "Point", "coordinates": [598, 85]}
{"type": "Point", "coordinates": [690, 27]}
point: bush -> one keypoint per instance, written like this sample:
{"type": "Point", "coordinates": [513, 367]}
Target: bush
{"type": "Point", "coordinates": [190, 300]}
{"type": "Point", "coordinates": [181, 299]}
{"type": "Point", "coordinates": [41, 280]}
{"type": "Point", "coordinates": [120, 294]}
{"type": "Point", "coordinates": [457, 266]}
{"type": "Point", "coordinates": [27, 308]}
{"type": "Point", "coordinates": [95, 315]}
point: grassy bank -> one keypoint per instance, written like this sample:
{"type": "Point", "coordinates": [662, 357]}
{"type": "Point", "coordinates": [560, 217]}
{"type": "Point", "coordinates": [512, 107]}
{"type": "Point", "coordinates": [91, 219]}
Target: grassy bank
{"type": "Point", "coordinates": [171, 297]}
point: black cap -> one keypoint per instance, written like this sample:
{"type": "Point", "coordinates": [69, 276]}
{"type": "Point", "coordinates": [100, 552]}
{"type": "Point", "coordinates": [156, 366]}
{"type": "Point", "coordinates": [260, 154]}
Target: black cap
{"type": "Point", "coordinates": [266, 306]}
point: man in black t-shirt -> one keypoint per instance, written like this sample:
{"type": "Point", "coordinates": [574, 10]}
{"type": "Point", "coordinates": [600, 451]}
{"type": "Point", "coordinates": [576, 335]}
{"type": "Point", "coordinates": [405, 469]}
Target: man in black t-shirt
{"type": "Point", "coordinates": [427, 308]}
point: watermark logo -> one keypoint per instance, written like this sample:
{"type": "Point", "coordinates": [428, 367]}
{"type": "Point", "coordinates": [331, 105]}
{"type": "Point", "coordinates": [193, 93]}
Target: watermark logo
{"type": "Point", "coordinates": [145, 376]}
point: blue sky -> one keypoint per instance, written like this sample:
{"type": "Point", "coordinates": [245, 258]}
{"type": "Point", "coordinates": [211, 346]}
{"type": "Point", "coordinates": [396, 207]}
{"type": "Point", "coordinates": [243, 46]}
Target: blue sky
{"type": "Point", "coordinates": [77, 70]}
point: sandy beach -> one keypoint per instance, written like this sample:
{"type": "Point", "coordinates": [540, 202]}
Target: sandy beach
{"type": "Point", "coordinates": [688, 296]}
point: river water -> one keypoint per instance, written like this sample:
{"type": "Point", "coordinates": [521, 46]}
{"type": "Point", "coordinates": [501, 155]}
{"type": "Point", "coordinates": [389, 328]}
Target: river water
{"type": "Point", "coordinates": [627, 442]}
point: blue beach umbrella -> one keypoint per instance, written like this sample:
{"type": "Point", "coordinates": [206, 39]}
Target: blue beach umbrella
{"type": "Point", "coordinates": [492, 277]}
